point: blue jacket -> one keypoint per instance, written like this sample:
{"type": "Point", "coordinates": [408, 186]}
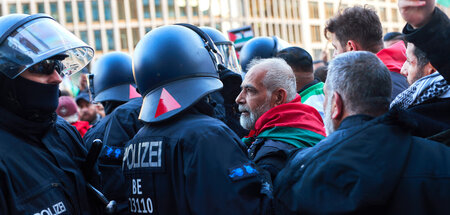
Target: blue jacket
{"type": "Point", "coordinates": [41, 168]}
{"type": "Point", "coordinates": [367, 166]}
{"type": "Point", "coordinates": [192, 164]}
{"type": "Point", "coordinates": [115, 130]}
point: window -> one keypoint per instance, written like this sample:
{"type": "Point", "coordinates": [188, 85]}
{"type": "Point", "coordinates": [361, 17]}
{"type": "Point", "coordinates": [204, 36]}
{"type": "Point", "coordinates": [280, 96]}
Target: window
{"type": "Point", "coordinates": [12, 8]}
{"type": "Point", "coordinates": [194, 5]}
{"type": "Point", "coordinates": [182, 5]}
{"type": "Point", "coordinates": [81, 12]}
{"type": "Point", "coordinates": [54, 10]}
{"type": "Point", "coordinates": [315, 33]}
{"type": "Point", "coordinates": [383, 15]}
{"type": "Point", "coordinates": [313, 10]}
{"type": "Point", "coordinates": [158, 9]}
{"type": "Point", "coordinates": [133, 9]}
{"type": "Point", "coordinates": [110, 36]}
{"type": "Point", "coordinates": [41, 8]}
{"type": "Point", "coordinates": [146, 9]}
{"type": "Point", "coordinates": [107, 6]}
{"type": "Point", "coordinates": [121, 7]}
{"type": "Point", "coordinates": [254, 8]}
{"type": "Point", "coordinates": [316, 54]}
{"type": "Point", "coordinates": [94, 6]}
{"type": "Point", "coordinates": [98, 40]}
{"type": "Point", "coordinates": [83, 36]}
{"type": "Point", "coordinates": [26, 8]}
{"type": "Point", "coordinates": [394, 15]}
{"type": "Point", "coordinates": [148, 29]}
{"type": "Point", "coordinates": [69, 15]}
{"type": "Point", "coordinates": [329, 11]}
{"type": "Point", "coordinates": [123, 38]}
{"type": "Point", "coordinates": [136, 37]}
{"type": "Point", "coordinates": [171, 8]}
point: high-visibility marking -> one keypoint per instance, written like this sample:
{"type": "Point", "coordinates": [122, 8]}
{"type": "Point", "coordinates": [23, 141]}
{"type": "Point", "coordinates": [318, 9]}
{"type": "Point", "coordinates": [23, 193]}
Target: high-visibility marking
{"type": "Point", "coordinates": [133, 93]}
{"type": "Point", "coordinates": [166, 103]}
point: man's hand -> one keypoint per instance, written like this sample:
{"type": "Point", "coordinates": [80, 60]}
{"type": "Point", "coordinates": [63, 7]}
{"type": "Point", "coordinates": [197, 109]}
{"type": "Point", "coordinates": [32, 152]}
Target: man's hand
{"type": "Point", "coordinates": [416, 12]}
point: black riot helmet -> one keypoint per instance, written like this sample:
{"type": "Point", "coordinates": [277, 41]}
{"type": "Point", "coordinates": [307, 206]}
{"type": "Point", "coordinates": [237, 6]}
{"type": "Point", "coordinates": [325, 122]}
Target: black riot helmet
{"type": "Point", "coordinates": [225, 48]}
{"type": "Point", "coordinates": [26, 40]}
{"type": "Point", "coordinates": [112, 78]}
{"type": "Point", "coordinates": [174, 67]}
{"type": "Point", "coordinates": [260, 48]}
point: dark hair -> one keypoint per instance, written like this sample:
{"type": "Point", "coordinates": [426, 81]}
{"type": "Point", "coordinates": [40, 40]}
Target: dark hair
{"type": "Point", "coordinates": [297, 58]}
{"type": "Point", "coordinates": [393, 36]}
{"type": "Point", "coordinates": [421, 57]}
{"type": "Point", "coordinates": [321, 73]}
{"type": "Point", "coordinates": [357, 23]}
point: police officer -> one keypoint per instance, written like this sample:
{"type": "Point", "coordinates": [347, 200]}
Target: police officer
{"type": "Point", "coordinates": [260, 48]}
{"type": "Point", "coordinates": [230, 74]}
{"type": "Point", "coordinates": [113, 85]}
{"type": "Point", "coordinates": [183, 161]}
{"type": "Point", "coordinates": [41, 155]}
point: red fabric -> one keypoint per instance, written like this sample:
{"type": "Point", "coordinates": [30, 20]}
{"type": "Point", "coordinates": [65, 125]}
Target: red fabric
{"type": "Point", "coordinates": [293, 114]}
{"type": "Point", "coordinates": [394, 56]}
{"type": "Point", "coordinates": [82, 127]}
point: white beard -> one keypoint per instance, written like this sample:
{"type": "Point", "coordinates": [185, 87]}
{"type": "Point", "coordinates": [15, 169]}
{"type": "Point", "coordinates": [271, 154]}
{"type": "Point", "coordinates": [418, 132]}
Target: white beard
{"type": "Point", "coordinates": [329, 127]}
{"type": "Point", "coordinates": [248, 122]}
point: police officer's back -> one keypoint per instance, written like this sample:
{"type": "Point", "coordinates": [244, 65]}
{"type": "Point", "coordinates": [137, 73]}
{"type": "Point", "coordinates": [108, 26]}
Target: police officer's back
{"type": "Point", "coordinates": [41, 155]}
{"type": "Point", "coordinates": [183, 161]}
{"type": "Point", "coordinates": [112, 84]}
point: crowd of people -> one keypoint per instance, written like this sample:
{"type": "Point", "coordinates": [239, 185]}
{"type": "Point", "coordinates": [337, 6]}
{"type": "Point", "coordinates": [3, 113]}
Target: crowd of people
{"type": "Point", "coordinates": [183, 127]}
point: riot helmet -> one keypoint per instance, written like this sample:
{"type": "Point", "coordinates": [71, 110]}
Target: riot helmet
{"type": "Point", "coordinates": [112, 78]}
{"type": "Point", "coordinates": [174, 67]}
{"type": "Point", "coordinates": [225, 48]}
{"type": "Point", "coordinates": [30, 39]}
{"type": "Point", "coordinates": [260, 47]}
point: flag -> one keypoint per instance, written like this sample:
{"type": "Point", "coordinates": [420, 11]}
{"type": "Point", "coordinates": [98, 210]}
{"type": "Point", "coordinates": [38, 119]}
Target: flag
{"type": "Point", "coordinates": [445, 3]}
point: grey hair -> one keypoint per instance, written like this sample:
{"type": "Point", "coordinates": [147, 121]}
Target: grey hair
{"type": "Point", "coordinates": [362, 80]}
{"type": "Point", "coordinates": [279, 75]}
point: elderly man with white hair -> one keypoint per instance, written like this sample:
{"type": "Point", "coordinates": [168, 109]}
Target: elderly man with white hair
{"type": "Point", "coordinates": [271, 108]}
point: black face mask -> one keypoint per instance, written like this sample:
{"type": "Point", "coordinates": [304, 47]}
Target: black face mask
{"type": "Point", "coordinates": [28, 99]}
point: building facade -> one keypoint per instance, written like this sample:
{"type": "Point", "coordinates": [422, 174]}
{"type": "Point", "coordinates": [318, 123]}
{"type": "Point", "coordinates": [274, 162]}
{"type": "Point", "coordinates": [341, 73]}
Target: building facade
{"type": "Point", "coordinates": [118, 25]}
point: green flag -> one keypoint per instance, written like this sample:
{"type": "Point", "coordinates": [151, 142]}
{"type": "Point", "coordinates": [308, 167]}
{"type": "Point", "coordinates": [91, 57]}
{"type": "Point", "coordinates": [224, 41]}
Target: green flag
{"type": "Point", "coordinates": [445, 3]}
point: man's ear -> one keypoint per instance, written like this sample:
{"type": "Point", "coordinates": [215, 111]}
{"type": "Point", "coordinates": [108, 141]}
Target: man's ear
{"type": "Point", "coordinates": [338, 107]}
{"type": "Point", "coordinates": [429, 69]}
{"type": "Point", "coordinates": [352, 45]}
{"type": "Point", "coordinates": [279, 96]}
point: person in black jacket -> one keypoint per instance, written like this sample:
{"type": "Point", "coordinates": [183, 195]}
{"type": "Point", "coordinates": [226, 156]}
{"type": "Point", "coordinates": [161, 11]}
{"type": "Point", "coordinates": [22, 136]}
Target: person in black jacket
{"type": "Point", "coordinates": [370, 163]}
{"type": "Point", "coordinates": [428, 28]}
{"type": "Point", "coordinates": [183, 161]}
{"type": "Point", "coordinates": [42, 157]}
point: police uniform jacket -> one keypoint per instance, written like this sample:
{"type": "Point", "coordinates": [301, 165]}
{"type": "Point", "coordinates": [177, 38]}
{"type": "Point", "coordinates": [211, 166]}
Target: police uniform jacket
{"type": "Point", "coordinates": [367, 166]}
{"type": "Point", "coordinates": [191, 164]}
{"type": "Point", "coordinates": [115, 130]}
{"type": "Point", "coordinates": [40, 167]}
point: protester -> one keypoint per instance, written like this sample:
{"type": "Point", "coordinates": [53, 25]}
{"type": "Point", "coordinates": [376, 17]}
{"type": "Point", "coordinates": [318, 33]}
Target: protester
{"type": "Point", "coordinates": [392, 38]}
{"type": "Point", "coordinates": [112, 84]}
{"type": "Point", "coordinates": [321, 73]}
{"type": "Point", "coordinates": [183, 161]}
{"type": "Point", "coordinates": [42, 168]}
{"type": "Point", "coordinates": [309, 88]}
{"type": "Point", "coordinates": [359, 29]}
{"type": "Point", "coordinates": [428, 97]}
{"type": "Point", "coordinates": [366, 165]}
{"type": "Point", "coordinates": [88, 112]}
{"type": "Point", "coordinates": [272, 110]}
{"type": "Point", "coordinates": [68, 110]}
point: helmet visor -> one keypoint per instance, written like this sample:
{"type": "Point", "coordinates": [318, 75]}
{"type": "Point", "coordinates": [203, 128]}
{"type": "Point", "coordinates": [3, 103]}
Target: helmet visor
{"type": "Point", "coordinates": [39, 40]}
{"type": "Point", "coordinates": [228, 53]}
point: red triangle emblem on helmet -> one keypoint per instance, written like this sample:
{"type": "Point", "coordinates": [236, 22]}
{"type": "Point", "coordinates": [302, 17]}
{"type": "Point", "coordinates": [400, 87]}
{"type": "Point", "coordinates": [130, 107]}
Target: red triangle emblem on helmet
{"type": "Point", "coordinates": [166, 103]}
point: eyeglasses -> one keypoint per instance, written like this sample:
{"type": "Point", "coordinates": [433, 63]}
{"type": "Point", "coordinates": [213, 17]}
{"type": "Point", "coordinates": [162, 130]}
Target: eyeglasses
{"type": "Point", "coordinates": [46, 67]}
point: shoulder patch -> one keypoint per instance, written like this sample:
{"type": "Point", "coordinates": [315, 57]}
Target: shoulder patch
{"type": "Point", "coordinates": [242, 171]}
